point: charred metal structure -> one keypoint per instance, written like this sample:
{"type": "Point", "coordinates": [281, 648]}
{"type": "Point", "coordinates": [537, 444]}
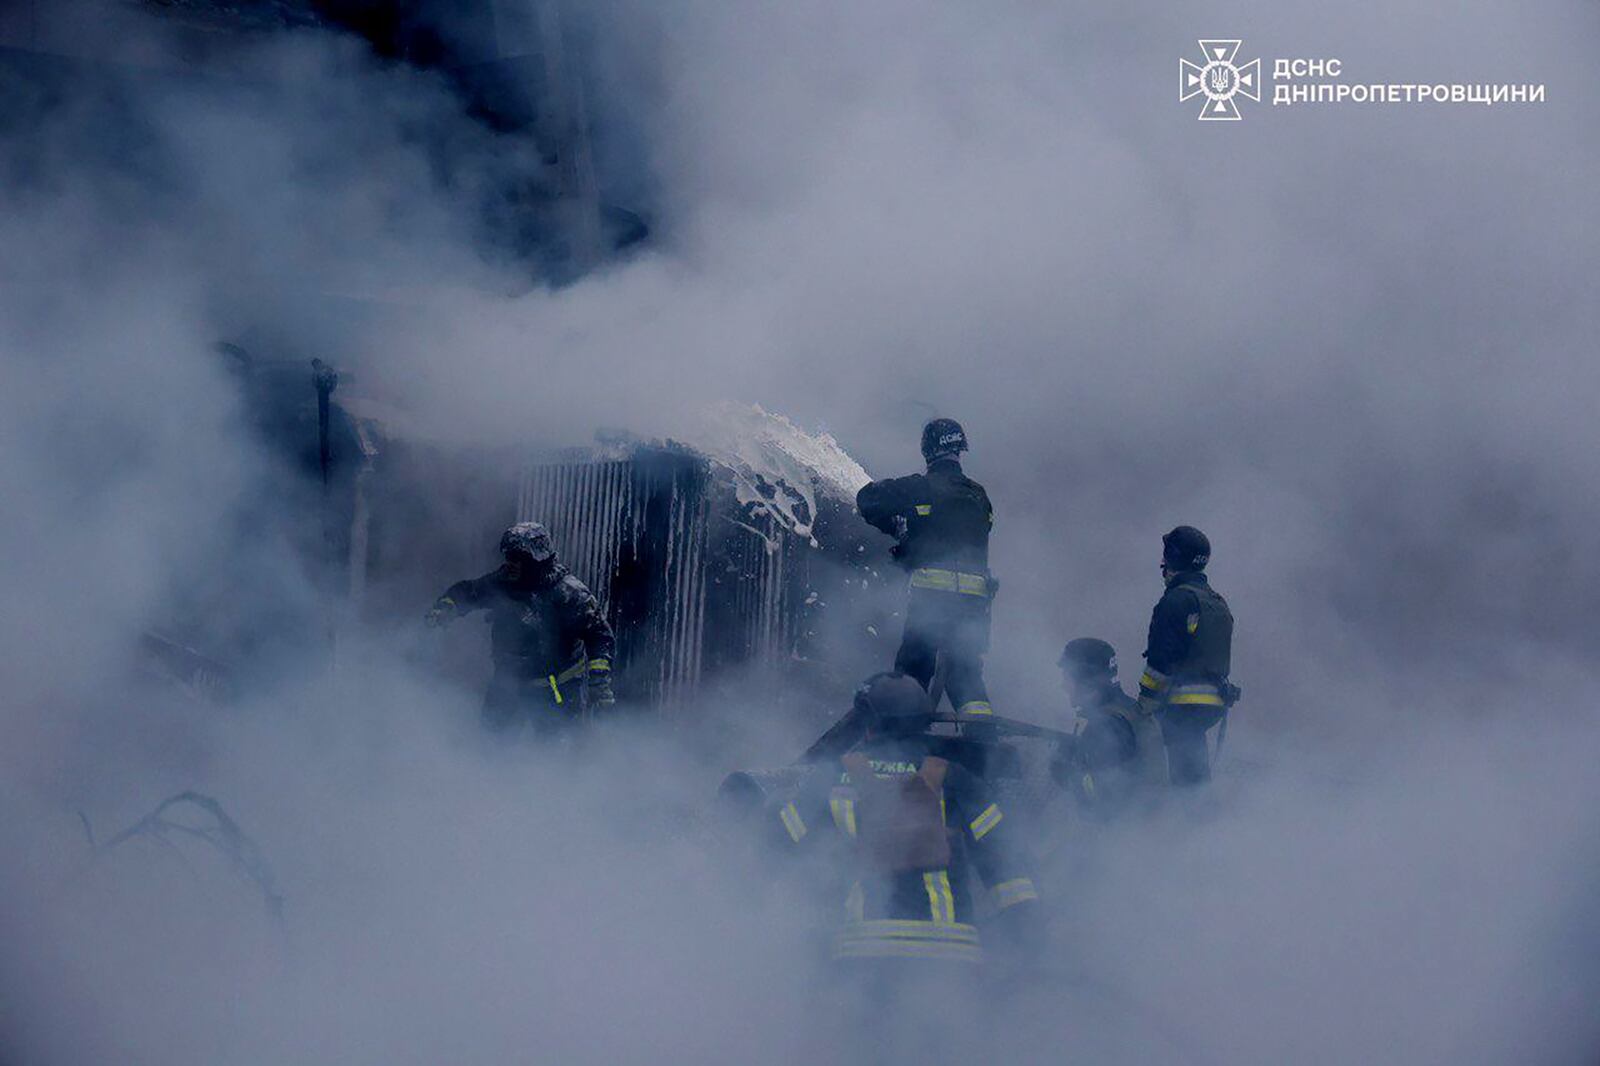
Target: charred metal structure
{"type": "Point", "coordinates": [701, 584]}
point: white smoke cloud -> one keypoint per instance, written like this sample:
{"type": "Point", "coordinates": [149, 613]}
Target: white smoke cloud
{"type": "Point", "coordinates": [1351, 345]}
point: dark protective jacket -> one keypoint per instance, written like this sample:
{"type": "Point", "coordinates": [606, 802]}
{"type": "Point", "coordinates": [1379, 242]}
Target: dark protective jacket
{"type": "Point", "coordinates": [942, 518]}
{"type": "Point", "coordinates": [1188, 653]}
{"type": "Point", "coordinates": [1105, 729]}
{"type": "Point", "coordinates": [553, 626]}
{"type": "Point", "coordinates": [1100, 763]}
{"type": "Point", "coordinates": [909, 830]}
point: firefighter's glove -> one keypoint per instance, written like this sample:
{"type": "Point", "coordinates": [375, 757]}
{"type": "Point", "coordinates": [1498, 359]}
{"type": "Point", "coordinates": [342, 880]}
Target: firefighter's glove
{"type": "Point", "coordinates": [442, 611]}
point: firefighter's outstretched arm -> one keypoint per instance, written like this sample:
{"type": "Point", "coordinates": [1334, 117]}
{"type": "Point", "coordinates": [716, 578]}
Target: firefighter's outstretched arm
{"type": "Point", "coordinates": [798, 823]}
{"type": "Point", "coordinates": [459, 599]}
{"type": "Point", "coordinates": [881, 502]}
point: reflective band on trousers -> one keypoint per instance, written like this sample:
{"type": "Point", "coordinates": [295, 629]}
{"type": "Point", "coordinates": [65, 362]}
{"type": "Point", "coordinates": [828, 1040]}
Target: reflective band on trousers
{"type": "Point", "coordinates": [894, 938]}
{"type": "Point", "coordinates": [985, 821]}
{"type": "Point", "coordinates": [950, 581]}
{"type": "Point", "coordinates": [975, 707]}
{"type": "Point", "coordinates": [1196, 695]}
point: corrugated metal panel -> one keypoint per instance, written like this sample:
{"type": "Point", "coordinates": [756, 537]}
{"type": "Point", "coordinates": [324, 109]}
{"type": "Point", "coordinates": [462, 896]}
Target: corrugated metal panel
{"type": "Point", "coordinates": [653, 512]}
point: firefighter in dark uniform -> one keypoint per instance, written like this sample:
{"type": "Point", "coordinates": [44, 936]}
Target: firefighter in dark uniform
{"type": "Point", "coordinates": [1185, 684]}
{"type": "Point", "coordinates": [941, 521]}
{"type": "Point", "coordinates": [913, 838]}
{"type": "Point", "coordinates": [550, 642]}
{"type": "Point", "coordinates": [1109, 756]}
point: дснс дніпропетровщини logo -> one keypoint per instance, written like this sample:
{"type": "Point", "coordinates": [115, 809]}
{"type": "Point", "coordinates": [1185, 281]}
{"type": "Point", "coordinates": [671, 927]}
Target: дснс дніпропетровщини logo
{"type": "Point", "coordinates": [1219, 79]}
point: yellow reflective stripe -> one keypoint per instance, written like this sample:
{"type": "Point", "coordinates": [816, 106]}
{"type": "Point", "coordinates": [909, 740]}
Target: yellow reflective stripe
{"type": "Point", "coordinates": [555, 689]}
{"type": "Point", "coordinates": [793, 822]}
{"type": "Point", "coordinates": [929, 577]}
{"type": "Point", "coordinates": [947, 896]}
{"type": "Point", "coordinates": [1010, 893]}
{"type": "Point", "coordinates": [938, 580]}
{"type": "Point", "coordinates": [924, 509]}
{"type": "Point", "coordinates": [1202, 695]}
{"type": "Point", "coordinates": [915, 928]}
{"type": "Point", "coordinates": [941, 902]}
{"type": "Point", "coordinates": [975, 707]}
{"type": "Point", "coordinates": [855, 904]}
{"type": "Point", "coordinates": [944, 817]}
{"type": "Point", "coordinates": [1088, 785]}
{"type": "Point", "coordinates": [908, 939]}
{"type": "Point", "coordinates": [985, 821]}
{"type": "Point", "coordinates": [894, 949]}
{"type": "Point", "coordinates": [571, 672]}
{"type": "Point", "coordinates": [1153, 680]}
{"type": "Point", "coordinates": [598, 666]}
{"type": "Point", "coordinates": [844, 813]}
{"type": "Point", "coordinates": [446, 601]}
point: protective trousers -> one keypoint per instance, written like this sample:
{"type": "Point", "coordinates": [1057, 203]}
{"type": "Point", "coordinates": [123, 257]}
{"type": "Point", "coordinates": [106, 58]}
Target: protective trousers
{"type": "Point", "coordinates": [958, 626]}
{"type": "Point", "coordinates": [515, 698]}
{"type": "Point", "coordinates": [1183, 731]}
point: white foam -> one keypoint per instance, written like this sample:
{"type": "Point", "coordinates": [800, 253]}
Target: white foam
{"type": "Point", "coordinates": [776, 465]}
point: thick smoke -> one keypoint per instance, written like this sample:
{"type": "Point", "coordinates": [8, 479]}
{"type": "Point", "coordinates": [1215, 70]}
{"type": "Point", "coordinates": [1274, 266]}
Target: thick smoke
{"type": "Point", "coordinates": [1351, 344]}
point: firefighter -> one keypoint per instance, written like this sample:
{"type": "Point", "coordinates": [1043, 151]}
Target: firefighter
{"type": "Point", "coordinates": [911, 829]}
{"type": "Point", "coordinates": [550, 642]}
{"type": "Point", "coordinates": [941, 522]}
{"type": "Point", "coordinates": [1114, 748]}
{"type": "Point", "coordinates": [1185, 684]}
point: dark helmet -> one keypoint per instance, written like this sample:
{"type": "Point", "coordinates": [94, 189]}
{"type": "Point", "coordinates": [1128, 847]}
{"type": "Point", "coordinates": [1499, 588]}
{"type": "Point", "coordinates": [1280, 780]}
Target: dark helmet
{"type": "Point", "coordinates": [1185, 548]}
{"type": "Point", "coordinates": [1088, 658]}
{"type": "Point", "coordinates": [894, 703]}
{"type": "Point", "coordinates": [530, 539]}
{"type": "Point", "coordinates": [943, 438]}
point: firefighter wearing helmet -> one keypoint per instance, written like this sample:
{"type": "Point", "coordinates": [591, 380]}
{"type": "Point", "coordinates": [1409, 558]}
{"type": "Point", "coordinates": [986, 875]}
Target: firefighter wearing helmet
{"type": "Point", "coordinates": [1185, 684]}
{"type": "Point", "coordinates": [1114, 749]}
{"type": "Point", "coordinates": [931, 872]}
{"type": "Point", "coordinates": [941, 521]}
{"type": "Point", "coordinates": [550, 641]}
